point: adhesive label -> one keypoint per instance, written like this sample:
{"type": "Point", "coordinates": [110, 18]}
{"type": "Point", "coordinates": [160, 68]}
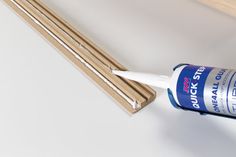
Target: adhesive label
{"type": "Point", "coordinates": [207, 89]}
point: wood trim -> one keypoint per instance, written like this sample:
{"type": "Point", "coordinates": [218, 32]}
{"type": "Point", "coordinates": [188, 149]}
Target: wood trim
{"type": "Point", "coordinates": [84, 54]}
{"type": "Point", "coordinates": [227, 6]}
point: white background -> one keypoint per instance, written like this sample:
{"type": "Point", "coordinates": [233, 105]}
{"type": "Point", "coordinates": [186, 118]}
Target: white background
{"type": "Point", "coordinates": [48, 108]}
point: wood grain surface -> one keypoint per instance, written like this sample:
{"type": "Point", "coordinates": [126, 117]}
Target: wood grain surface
{"type": "Point", "coordinates": [227, 6]}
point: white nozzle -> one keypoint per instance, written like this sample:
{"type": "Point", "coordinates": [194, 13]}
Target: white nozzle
{"type": "Point", "coordinates": [149, 79]}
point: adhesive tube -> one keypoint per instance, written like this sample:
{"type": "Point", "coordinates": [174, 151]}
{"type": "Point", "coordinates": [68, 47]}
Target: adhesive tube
{"type": "Point", "coordinates": [202, 89]}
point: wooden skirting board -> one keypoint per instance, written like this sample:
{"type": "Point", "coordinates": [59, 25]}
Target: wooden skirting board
{"type": "Point", "coordinates": [84, 54]}
{"type": "Point", "coordinates": [227, 6]}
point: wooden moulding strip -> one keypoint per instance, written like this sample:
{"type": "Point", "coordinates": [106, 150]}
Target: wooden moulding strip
{"type": "Point", "coordinates": [84, 54]}
{"type": "Point", "coordinates": [227, 6]}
